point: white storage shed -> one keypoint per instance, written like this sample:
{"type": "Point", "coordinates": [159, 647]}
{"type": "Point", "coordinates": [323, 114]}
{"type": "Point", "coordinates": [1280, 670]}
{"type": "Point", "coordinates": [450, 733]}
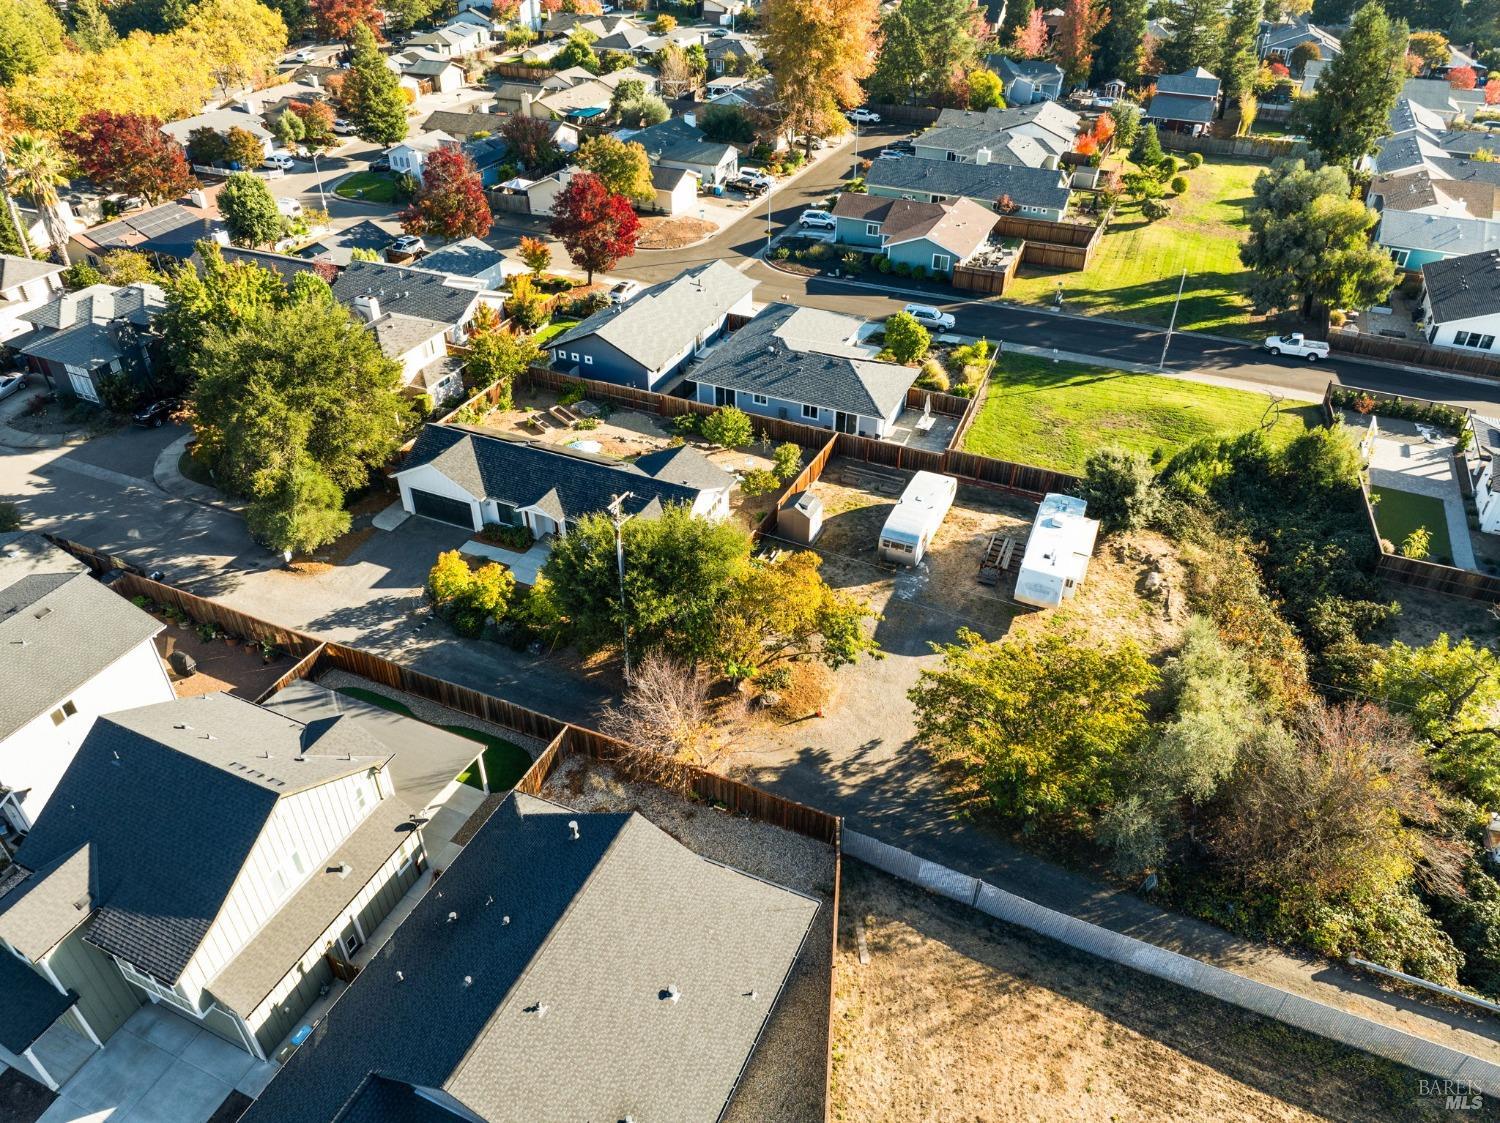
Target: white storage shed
{"type": "Point", "coordinates": [1057, 553]}
{"type": "Point", "coordinates": [911, 526]}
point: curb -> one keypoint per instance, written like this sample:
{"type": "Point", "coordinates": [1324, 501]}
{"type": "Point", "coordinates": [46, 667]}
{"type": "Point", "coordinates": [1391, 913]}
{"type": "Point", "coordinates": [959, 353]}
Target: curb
{"type": "Point", "coordinates": [170, 479]}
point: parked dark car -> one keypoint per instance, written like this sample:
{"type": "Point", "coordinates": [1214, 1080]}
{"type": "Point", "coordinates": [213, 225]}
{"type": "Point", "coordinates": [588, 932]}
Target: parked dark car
{"type": "Point", "coordinates": [380, 164]}
{"type": "Point", "coordinates": [157, 414]}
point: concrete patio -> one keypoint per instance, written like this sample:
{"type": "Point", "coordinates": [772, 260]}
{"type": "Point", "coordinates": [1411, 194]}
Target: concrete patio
{"type": "Point", "coordinates": [1401, 457]}
{"type": "Point", "coordinates": [159, 1067]}
{"type": "Point", "coordinates": [523, 567]}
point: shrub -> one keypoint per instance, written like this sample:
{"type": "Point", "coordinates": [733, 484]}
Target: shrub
{"type": "Point", "coordinates": [759, 481]}
{"type": "Point", "coordinates": [728, 427]}
{"type": "Point", "coordinates": [970, 353]}
{"type": "Point", "coordinates": [905, 338]}
{"type": "Point", "coordinates": [882, 264]}
{"type": "Point", "coordinates": [781, 253]}
{"type": "Point", "coordinates": [586, 423]}
{"type": "Point", "coordinates": [1155, 209]}
{"type": "Point", "coordinates": [919, 272]}
{"type": "Point", "coordinates": [853, 262]}
{"type": "Point", "coordinates": [686, 424]}
{"type": "Point", "coordinates": [934, 376]}
{"type": "Point", "coordinates": [1417, 544]}
{"type": "Point", "coordinates": [1120, 489]}
{"type": "Point", "coordinates": [902, 269]}
{"type": "Point", "coordinates": [786, 461]}
{"type": "Point", "coordinates": [1179, 184]}
{"type": "Point", "coordinates": [1194, 159]}
{"type": "Point", "coordinates": [1432, 413]}
{"type": "Point", "coordinates": [574, 394]}
{"type": "Point", "coordinates": [467, 598]}
{"type": "Point", "coordinates": [10, 517]}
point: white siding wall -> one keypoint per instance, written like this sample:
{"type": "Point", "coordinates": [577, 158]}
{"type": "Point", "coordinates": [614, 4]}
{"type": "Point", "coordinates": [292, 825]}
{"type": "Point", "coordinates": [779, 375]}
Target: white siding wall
{"type": "Point", "coordinates": [311, 824]}
{"type": "Point", "coordinates": [23, 298]}
{"type": "Point", "coordinates": [1478, 325]}
{"type": "Point", "coordinates": [414, 360]}
{"type": "Point", "coordinates": [428, 478]}
{"type": "Point", "coordinates": [35, 756]}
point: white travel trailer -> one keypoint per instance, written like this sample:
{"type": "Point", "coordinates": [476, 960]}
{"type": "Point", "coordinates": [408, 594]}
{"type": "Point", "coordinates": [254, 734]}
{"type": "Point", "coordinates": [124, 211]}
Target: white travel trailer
{"type": "Point", "coordinates": [911, 526]}
{"type": "Point", "coordinates": [1057, 553]}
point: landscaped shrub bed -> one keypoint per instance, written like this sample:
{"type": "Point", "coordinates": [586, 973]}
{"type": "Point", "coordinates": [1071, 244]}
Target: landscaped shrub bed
{"type": "Point", "coordinates": [1445, 417]}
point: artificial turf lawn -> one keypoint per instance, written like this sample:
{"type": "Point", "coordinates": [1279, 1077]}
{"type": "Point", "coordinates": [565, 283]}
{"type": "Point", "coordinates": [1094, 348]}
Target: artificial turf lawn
{"type": "Point", "coordinates": [555, 328]}
{"type": "Point", "coordinates": [1135, 271]}
{"type": "Point", "coordinates": [1053, 415]}
{"type": "Point", "coordinates": [504, 762]}
{"type": "Point", "coordinates": [1398, 513]}
{"type": "Point", "coordinates": [368, 187]}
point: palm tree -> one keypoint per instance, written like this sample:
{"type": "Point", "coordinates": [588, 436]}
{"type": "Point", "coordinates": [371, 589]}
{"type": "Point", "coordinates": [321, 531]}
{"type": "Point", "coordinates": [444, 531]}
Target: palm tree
{"type": "Point", "coordinates": [36, 168]}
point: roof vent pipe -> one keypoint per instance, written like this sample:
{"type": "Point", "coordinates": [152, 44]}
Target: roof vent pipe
{"type": "Point", "coordinates": [573, 829]}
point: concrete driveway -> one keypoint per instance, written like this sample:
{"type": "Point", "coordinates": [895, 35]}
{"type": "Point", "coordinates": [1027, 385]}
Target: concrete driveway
{"type": "Point", "coordinates": [159, 1067]}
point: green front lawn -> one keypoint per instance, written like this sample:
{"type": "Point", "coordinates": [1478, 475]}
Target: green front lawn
{"type": "Point", "coordinates": [504, 762]}
{"type": "Point", "coordinates": [1053, 415]}
{"type": "Point", "coordinates": [557, 327]}
{"type": "Point", "coordinates": [1136, 269]}
{"type": "Point", "coordinates": [370, 187]}
{"type": "Point", "coordinates": [1398, 513]}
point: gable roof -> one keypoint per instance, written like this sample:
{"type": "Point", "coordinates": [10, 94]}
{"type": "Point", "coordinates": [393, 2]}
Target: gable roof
{"type": "Point", "coordinates": [680, 142]}
{"type": "Point", "coordinates": [461, 124]}
{"type": "Point", "coordinates": [170, 228]}
{"type": "Point", "coordinates": [167, 801]}
{"type": "Point", "coordinates": [1407, 114]}
{"type": "Point", "coordinates": [398, 334]}
{"type": "Point", "coordinates": [136, 302]}
{"type": "Point", "coordinates": [32, 1004]}
{"type": "Point", "coordinates": [1036, 70]}
{"type": "Point", "coordinates": [16, 271]}
{"type": "Point", "coordinates": [59, 627]}
{"type": "Point", "coordinates": [562, 483]}
{"type": "Point", "coordinates": [802, 355]}
{"type": "Point", "coordinates": [1194, 82]}
{"type": "Point", "coordinates": [1179, 107]}
{"type": "Point", "coordinates": [1287, 36]}
{"type": "Point", "coordinates": [282, 264]}
{"type": "Point", "coordinates": [960, 227]}
{"type": "Point", "coordinates": [1445, 234]}
{"type": "Point", "coordinates": [338, 246]}
{"type": "Point", "coordinates": [1049, 116]}
{"type": "Point", "coordinates": [1041, 187]}
{"type": "Point", "coordinates": [467, 257]}
{"type": "Point", "coordinates": [666, 319]}
{"type": "Point", "coordinates": [399, 288]}
{"type": "Point", "coordinates": [1461, 288]}
{"type": "Point", "coordinates": [550, 958]}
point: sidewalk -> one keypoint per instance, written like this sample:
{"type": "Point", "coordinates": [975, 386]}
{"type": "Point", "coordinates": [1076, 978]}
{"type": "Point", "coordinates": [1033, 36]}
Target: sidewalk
{"type": "Point", "coordinates": [1145, 368]}
{"type": "Point", "coordinates": [11, 437]}
{"type": "Point", "coordinates": [168, 476]}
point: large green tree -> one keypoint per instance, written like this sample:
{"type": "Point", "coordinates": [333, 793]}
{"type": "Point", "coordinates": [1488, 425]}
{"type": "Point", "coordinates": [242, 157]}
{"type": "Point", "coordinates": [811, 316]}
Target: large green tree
{"type": "Point", "coordinates": [1240, 62]}
{"type": "Point", "coordinates": [30, 34]}
{"type": "Point", "coordinates": [297, 510]}
{"type": "Point", "coordinates": [1309, 245]}
{"type": "Point", "coordinates": [372, 93]}
{"type": "Point", "coordinates": [1198, 39]}
{"type": "Point", "coordinates": [621, 165]}
{"type": "Point", "coordinates": [217, 296]}
{"type": "Point", "coordinates": [1349, 112]}
{"type": "Point", "coordinates": [295, 388]}
{"type": "Point", "coordinates": [1122, 43]}
{"type": "Point", "coordinates": [819, 51]}
{"type": "Point", "coordinates": [1044, 722]}
{"type": "Point", "coordinates": [249, 210]}
{"type": "Point", "coordinates": [924, 44]}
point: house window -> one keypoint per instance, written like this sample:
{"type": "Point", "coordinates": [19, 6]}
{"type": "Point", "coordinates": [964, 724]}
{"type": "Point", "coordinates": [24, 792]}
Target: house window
{"type": "Point", "coordinates": [872, 229]}
{"type": "Point", "coordinates": [940, 262]}
{"type": "Point", "coordinates": [507, 513]}
{"type": "Point", "coordinates": [1473, 339]}
{"type": "Point", "coordinates": [938, 199]}
{"type": "Point", "coordinates": [83, 385]}
{"type": "Point", "coordinates": [575, 356]}
{"type": "Point", "coordinates": [588, 360]}
{"type": "Point", "coordinates": [64, 712]}
{"type": "Point", "coordinates": [360, 797]}
{"type": "Point", "coordinates": [953, 157]}
{"type": "Point", "coordinates": [810, 412]}
{"type": "Point", "coordinates": [1399, 257]}
{"type": "Point", "coordinates": [760, 399]}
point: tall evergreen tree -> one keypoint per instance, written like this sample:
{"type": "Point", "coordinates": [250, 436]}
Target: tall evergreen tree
{"type": "Point", "coordinates": [1240, 60]}
{"type": "Point", "coordinates": [89, 27]}
{"type": "Point", "coordinates": [372, 93]}
{"type": "Point", "coordinates": [924, 44]}
{"type": "Point", "coordinates": [1350, 108]}
{"type": "Point", "coordinates": [1017, 16]}
{"type": "Point", "coordinates": [1199, 39]}
{"type": "Point", "coordinates": [1122, 46]}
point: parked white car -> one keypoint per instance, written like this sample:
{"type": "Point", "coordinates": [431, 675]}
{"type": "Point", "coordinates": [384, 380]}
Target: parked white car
{"type": "Point", "coordinates": [817, 220]}
{"type": "Point", "coordinates": [622, 291]}
{"type": "Point", "coordinates": [863, 117]}
{"type": "Point", "coordinates": [278, 161]}
{"type": "Point", "coordinates": [289, 208]}
{"type": "Point", "coordinates": [930, 317]}
{"type": "Point", "coordinates": [306, 54]}
{"type": "Point", "coordinates": [754, 177]}
{"type": "Point", "coordinates": [1297, 344]}
{"type": "Point", "coordinates": [11, 384]}
{"type": "Point", "coordinates": [343, 127]}
{"type": "Point", "coordinates": [409, 243]}
{"type": "Point", "coordinates": [892, 154]}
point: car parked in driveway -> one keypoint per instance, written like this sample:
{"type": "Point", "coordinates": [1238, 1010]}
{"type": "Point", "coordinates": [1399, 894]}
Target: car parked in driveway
{"type": "Point", "coordinates": [817, 220]}
{"type": "Point", "coordinates": [892, 154]}
{"type": "Point", "coordinates": [930, 317]}
{"type": "Point", "coordinates": [623, 291]}
{"type": "Point", "coordinates": [12, 384]}
{"type": "Point", "coordinates": [343, 127]}
{"type": "Point", "coordinates": [863, 116]}
{"type": "Point", "coordinates": [409, 243]}
{"type": "Point", "coordinates": [157, 414]}
{"type": "Point", "coordinates": [754, 177]}
{"type": "Point", "coordinates": [380, 164]}
{"type": "Point", "coordinates": [289, 208]}
{"type": "Point", "coordinates": [278, 161]}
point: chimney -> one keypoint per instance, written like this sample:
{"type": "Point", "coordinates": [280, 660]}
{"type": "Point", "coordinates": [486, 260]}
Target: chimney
{"type": "Point", "coordinates": [198, 198]}
{"type": "Point", "coordinates": [691, 119]}
{"type": "Point", "coordinates": [221, 237]}
{"type": "Point", "coordinates": [982, 157]}
{"type": "Point", "coordinates": [245, 106]}
{"type": "Point", "coordinates": [312, 80]}
{"type": "Point", "coordinates": [368, 306]}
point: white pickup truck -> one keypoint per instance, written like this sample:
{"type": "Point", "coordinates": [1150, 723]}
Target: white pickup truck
{"type": "Point", "coordinates": [1297, 344]}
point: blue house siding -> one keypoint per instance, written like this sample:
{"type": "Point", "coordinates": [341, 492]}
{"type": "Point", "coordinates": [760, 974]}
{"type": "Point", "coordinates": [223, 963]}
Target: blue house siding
{"type": "Point", "coordinates": [788, 410]}
{"type": "Point", "coordinates": [592, 357]}
{"type": "Point", "coordinates": [920, 252]}
{"type": "Point", "coordinates": [854, 232]}
{"type": "Point", "coordinates": [1055, 214]}
{"type": "Point", "coordinates": [1415, 259]}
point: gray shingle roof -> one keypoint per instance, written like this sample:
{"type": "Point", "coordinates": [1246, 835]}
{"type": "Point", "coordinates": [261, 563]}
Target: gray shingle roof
{"type": "Point", "coordinates": [666, 319]}
{"type": "Point", "coordinates": [16, 271]}
{"type": "Point", "coordinates": [1460, 288]}
{"type": "Point", "coordinates": [1195, 82]}
{"type": "Point", "coordinates": [135, 302]}
{"type": "Point", "coordinates": [397, 333]}
{"type": "Point", "coordinates": [530, 983]}
{"type": "Point", "coordinates": [1438, 233]}
{"type": "Point", "coordinates": [565, 484]}
{"type": "Point", "coordinates": [684, 466]}
{"type": "Point", "coordinates": [408, 291]}
{"type": "Point", "coordinates": [1474, 171]}
{"type": "Point", "coordinates": [468, 257]}
{"type": "Point", "coordinates": [167, 801]}
{"type": "Point", "coordinates": [681, 143]}
{"type": "Point", "coordinates": [986, 183]}
{"type": "Point", "coordinates": [1038, 69]}
{"type": "Point", "coordinates": [31, 1005]}
{"type": "Point", "coordinates": [1178, 107]}
{"type": "Point", "coordinates": [59, 628]}
{"type": "Point", "coordinates": [790, 353]}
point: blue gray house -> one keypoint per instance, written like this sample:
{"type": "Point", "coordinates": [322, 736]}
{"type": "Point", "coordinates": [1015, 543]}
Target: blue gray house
{"type": "Point", "coordinates": [1034, 192]}
{"type": "Point", "coordinates": [804, 365]}
{"type": "Point", "coordinates": [1186, 102]}
{"type": "Point", "coordinates": [470, 259]}
{"type": "Point", "coordinates": [1414, 239]}
{"type": "Point", "coordinates": [1027, 80]}
{"type": "Point", "coordinates": [645, 341]}
{"type": "Point", "coordinates": [932, 236]}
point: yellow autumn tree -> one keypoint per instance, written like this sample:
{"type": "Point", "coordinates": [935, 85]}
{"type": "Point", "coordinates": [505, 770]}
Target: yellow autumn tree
{"type": "Point", "coordinates": [819, 52]}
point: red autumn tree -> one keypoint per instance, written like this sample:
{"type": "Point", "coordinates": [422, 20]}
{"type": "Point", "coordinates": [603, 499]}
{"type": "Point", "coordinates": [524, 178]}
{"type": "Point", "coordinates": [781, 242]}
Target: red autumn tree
{"type": "Point", "coordinates": [450, 203]}
{"type": "Point", "coordinates": [1492, 92]}
{"type": "Point", "coordinates": [1463, 78]}
{"type": "Point", "coordinates": [1086, 145]}
{"type": "Point", "coordinates": [1104, 128]}
{"type": "Point", "coordinates": [1073, 45]}
{"type": "Point", "coordinates": [1280, 70]}
{"type": "Point", "coordinates": [597, 227]}
{"type": "Point", "coordinates": [337, 19]}
{"type": "Point", "coordinates": [317, 120]}
{"type": "Point", "coordinates": [128, 153]}
{"type": "Point", "coordinates": [1031, 37]}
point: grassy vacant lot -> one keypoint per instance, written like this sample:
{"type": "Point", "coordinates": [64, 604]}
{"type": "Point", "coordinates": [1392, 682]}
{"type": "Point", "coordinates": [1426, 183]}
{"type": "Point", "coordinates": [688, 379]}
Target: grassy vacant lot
{"type": "Point", "coordinates": [504, 762]}
{"type": "Point", "coordinates": [1398, 513]}
{"type": "Point", "coordinates": [371, 187]}
{"type": "Point", "coordinates": [1135, 273]}
{"type": "Point", "coordinates": [1054, 414]}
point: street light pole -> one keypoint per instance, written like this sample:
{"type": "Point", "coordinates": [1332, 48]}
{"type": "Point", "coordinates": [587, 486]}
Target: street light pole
{"type": "Point", "coordinates": [618, 516]}
{"type": "Point", "coordinates": [770, 192]}
{"type": "Point", "coordinates": [322, 199]}
{"type": "Point", "coordinates": [1167, 342]}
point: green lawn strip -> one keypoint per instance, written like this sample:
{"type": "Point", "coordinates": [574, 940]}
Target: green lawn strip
{"type": "Point", "coordinates": [504, 762]}
{"type": "Point", "coordinates": [370, 187]}
{"type": "Point", "coordinates": [557, 327]}
{"type": "Point", "coordinates": [1135, 272]}
{"type": "Point", "coordinates": [1053, 415]}
{"type": "Point", "coordinates": [1398, 513]}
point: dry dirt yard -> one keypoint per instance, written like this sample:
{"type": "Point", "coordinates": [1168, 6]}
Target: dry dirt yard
{"type": "Point", "coordinates": [960, 1019]}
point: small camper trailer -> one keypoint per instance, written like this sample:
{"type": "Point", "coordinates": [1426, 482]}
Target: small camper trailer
{"type": "Point", "coordinates": [910, 528]}
{"type": "Point", "coordinates": [1057, 553]}
{"type": "Point", "coordinates": [801, 520]}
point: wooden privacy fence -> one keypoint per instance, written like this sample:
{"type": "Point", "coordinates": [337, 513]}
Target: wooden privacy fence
{"type": "Point", "coordinates": [1414, 353]}
{"type": "Point", "coordinates": [993, 282]}
{"type": "Point", "coordinates": [1239, 147]}
{"type": "Point", "coordinates": [1422, 574]}
{"type": "Point", "coordinates": [810, 473]}
{"type": "Point", "coordinates": [201, 610]}
{"type": "Point", "coordinates": [301, 669]}
{"type": "Point", "coordinates": [949, 405]}
{"type": "Point", "coordinates": [1045, 230]}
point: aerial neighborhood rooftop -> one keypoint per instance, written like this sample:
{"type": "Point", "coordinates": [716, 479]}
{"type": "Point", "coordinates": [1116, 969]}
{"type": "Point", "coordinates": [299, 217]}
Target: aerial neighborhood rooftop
{"type": "Point", "coordinates": [748, 560]}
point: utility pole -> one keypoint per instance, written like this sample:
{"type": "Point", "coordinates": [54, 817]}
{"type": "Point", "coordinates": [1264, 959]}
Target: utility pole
{"type": "Point", "coordinates": [770, 192]}
{"type": "Point", "coordinates": [618, 516]}
{"type": "Point", "coordinates": [1171, 327]}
